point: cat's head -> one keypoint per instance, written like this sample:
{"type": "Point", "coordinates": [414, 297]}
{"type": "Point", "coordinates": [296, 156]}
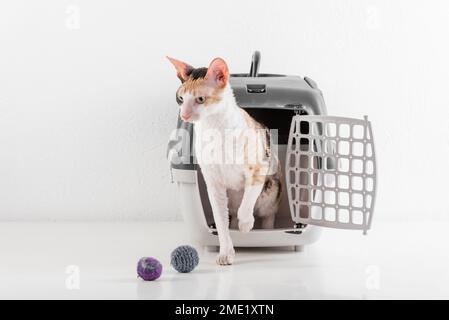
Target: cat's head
{"type": "Point", "coordinates": [202, 89]}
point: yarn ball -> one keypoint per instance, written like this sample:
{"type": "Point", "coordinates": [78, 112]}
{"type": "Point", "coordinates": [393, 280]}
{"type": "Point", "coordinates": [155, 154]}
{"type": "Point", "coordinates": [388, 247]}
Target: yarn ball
{"type": "Point", "coordinates": [149, 268]}
{"type": "Point", "coordinates": [184, 259]}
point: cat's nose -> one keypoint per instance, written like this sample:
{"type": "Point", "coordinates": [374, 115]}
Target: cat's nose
{"type": "Point", "coordinates": [185, 116]}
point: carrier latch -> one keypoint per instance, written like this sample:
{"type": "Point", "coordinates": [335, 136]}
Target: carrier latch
{"type": "Point", "coordinates": [256, 88]}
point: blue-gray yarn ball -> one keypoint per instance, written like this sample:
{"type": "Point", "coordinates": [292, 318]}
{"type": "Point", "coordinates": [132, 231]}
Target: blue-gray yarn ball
{"type": "Point", "coordinates": [184, 259]}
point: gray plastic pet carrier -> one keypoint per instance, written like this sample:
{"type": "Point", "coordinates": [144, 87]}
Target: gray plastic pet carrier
{"type": "Point", "coordinates": [329, 164]}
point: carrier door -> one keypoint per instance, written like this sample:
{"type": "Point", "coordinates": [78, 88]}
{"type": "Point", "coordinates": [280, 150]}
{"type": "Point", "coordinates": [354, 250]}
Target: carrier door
{"type": "Point", "coordinates": [331, 172]}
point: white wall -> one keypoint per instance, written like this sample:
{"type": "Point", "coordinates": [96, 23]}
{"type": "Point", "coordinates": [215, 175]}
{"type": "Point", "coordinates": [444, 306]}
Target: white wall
{"type": "Point", "coordinates": [86, 105]}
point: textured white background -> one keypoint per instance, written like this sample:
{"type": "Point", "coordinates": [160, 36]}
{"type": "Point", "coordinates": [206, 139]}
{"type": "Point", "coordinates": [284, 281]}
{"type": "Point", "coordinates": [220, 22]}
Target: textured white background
{"type": "Point", "coordinates": [87, 97]}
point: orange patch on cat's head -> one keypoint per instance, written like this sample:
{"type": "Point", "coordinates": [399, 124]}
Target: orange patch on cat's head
{"type": "Point", "coordinates": [193, 86]}
{"type": "Point", "coordinates": [214, 98]}
{"type": "Point", "coordinates": [201, 87]}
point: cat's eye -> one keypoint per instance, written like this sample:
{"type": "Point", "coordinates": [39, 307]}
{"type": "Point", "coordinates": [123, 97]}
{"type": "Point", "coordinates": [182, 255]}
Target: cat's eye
{"type": "Point", "coordinates": [200, 100]}
{"type": "Point", "coordinates": [179, 99]}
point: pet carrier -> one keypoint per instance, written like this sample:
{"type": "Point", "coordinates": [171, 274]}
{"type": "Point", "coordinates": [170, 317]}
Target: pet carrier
{"type": "Point", "coordinates": [328, 164]}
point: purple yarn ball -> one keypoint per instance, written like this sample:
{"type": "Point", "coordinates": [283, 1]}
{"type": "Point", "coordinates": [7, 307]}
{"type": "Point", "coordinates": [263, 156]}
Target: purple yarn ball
{"type": "Point", "coordinates": [149, 268]}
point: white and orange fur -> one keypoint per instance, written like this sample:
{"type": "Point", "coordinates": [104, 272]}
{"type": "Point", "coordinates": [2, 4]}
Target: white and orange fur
{"type": "Point", "coordinates": [237, 191]}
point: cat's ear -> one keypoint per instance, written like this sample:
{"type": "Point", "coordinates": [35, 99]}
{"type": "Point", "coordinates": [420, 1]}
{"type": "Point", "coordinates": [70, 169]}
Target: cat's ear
{"type": "Point", "coordinates": [218, 72]}
{"type": "Point", "coordinates": [182, 69]}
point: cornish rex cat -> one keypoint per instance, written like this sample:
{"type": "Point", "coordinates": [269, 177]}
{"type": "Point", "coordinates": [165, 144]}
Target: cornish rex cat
{"type": "Point", "coordinates": [233, 150]}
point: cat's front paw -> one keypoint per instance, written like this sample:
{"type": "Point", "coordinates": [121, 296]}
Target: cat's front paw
{"type": "Point", "coordinates": [246, 226]}
{"type": "Point", "coordinates": [226, 258]}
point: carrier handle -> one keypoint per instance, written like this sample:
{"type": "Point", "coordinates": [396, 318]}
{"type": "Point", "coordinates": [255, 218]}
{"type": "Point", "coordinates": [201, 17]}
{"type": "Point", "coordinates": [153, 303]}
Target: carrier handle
{"type": "Point", "coordinates": [255, 61]}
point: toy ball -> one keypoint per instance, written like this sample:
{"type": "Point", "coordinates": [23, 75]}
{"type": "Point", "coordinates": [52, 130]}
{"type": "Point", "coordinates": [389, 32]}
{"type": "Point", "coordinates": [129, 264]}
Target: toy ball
{"type": "Point", "coordinates": [184, 259]}
{"type": "Point", "coordinates": [149, 268]}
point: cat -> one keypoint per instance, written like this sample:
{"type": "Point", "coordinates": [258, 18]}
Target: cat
{"type": "Point", "coordinates": [237, 190]}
